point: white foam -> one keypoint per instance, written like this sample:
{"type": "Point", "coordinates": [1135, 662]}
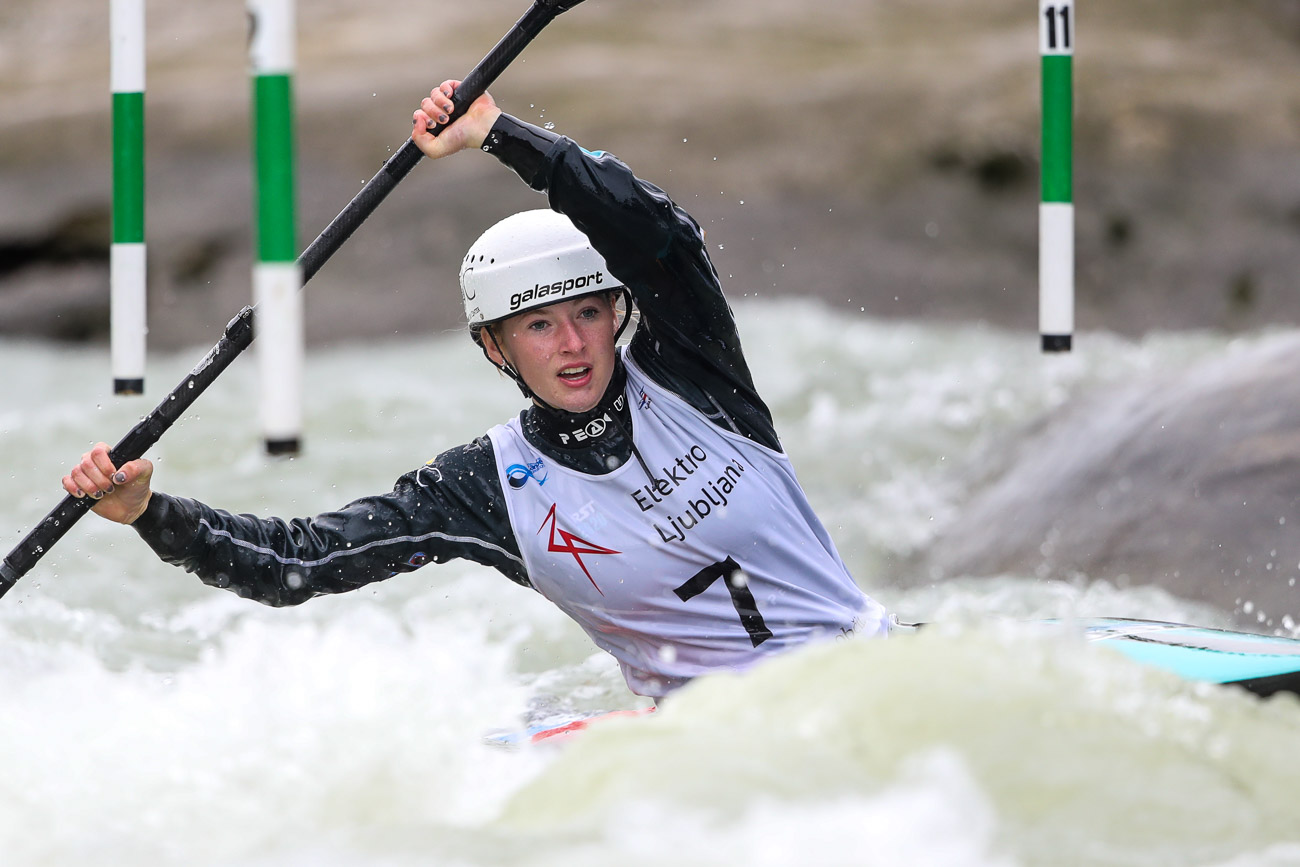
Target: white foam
{"type": "Point", "coordinates": [147, 719]}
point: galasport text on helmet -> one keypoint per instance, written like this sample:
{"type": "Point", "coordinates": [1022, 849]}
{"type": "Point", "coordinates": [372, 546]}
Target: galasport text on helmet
{"type": "Point", "coordinates": [529, 260]}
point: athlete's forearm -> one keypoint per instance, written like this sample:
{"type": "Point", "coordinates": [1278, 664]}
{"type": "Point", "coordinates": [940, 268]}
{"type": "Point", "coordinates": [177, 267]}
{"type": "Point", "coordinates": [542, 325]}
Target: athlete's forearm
{"type": "Point", "coordinates": [650, 244]}
{"type": "Point", "coordinates": [432, 515]}
{"type": "Point", "coordinates": [271, 560]}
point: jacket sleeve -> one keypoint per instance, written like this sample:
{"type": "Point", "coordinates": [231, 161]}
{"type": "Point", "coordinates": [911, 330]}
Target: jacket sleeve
{"type": "Point", "coordinates": [687, 338]}
{"type": "Point", "coordinates": [453, 507]}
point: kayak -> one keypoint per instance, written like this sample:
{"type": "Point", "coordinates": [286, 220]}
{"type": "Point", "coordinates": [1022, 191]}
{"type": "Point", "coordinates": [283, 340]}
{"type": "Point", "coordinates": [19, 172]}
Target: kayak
{"type": "Point", "coordinates": [1262, 664]}
{"type": "Point", "coordinates": [557, 730]}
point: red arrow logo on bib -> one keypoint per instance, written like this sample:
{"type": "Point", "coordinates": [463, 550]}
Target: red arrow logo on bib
{"type": "Point", "coordinates": [569, 548]}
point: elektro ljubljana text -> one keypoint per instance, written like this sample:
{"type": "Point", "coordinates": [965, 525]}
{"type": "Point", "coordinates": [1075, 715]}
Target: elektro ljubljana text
{"type": "Point", "coordinates": [713, 494]}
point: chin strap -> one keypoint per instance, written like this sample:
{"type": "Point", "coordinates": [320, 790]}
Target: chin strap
{"type": "Point", "coordinates": [505, 367]}
{"type": "Point", "coordinates": [628, 310]}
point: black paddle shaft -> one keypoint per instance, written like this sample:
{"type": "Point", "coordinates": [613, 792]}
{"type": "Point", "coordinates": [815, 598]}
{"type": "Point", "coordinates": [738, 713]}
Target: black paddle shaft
{"type": "Point", "coordinates": [239, 332]}
{"type": "Point", "coordinates": [408, 155]}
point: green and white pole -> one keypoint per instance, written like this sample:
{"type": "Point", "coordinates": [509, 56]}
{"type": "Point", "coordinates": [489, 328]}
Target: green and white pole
{"type": "Point", "coordinates": [277, 277]}
{"type": "Point", "coordinates": [127, 254]}
{"type": "Point", "coordinates": [1056, 210]}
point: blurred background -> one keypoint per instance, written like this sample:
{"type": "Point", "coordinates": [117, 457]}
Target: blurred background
{"type": "Point", "coordinates": [881, 156]}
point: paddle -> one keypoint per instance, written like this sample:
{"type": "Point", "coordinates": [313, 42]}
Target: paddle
{"type": "Point", "coordinates": [239, 332]}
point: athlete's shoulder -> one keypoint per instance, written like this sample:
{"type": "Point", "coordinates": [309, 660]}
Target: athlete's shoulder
{"type": "Point", "coordinates": [475, 451]}
{"type": "Point", "coordinates": [473, 462]}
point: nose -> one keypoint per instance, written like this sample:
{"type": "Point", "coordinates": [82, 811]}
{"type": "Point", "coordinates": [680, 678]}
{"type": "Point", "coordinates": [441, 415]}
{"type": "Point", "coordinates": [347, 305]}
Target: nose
{"type": "Point", "coordinates": [570, 336]}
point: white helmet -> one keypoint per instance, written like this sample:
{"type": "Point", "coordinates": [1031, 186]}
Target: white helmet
{"type": "Point", "coordinates": [531, 259]}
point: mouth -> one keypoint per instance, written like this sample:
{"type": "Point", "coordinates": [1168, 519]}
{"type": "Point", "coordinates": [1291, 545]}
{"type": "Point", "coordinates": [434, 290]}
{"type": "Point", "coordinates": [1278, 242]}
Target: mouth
{"type": "Point", "coordinates": [575, 376]}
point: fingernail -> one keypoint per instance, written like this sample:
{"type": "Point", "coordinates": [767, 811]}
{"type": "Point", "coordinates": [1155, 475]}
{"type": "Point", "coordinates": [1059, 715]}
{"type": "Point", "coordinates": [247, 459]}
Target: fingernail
{"type": "Point", "coordinates": [78, 494]}
{"type": "Point", "coordinates": [97, 495]}
{"type": "Point", "coordinates": [442, 118]}
{"type": "Point", "coordinates": [119, 477]}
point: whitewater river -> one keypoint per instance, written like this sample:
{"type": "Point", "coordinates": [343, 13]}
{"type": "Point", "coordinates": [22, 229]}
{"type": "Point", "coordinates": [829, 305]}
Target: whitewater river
{"type": "Point", "coordinates": [146, 719]}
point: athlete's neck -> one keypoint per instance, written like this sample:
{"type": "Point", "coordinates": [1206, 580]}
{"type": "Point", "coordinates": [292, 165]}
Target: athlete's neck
{"type": "Point", "coordinates": [599, 430]}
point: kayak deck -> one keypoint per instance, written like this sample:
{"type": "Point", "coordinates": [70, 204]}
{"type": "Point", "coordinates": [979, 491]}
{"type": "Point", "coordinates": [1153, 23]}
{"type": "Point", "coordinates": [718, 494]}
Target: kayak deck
{"type": "Point", "coordinates": [1263, 664]}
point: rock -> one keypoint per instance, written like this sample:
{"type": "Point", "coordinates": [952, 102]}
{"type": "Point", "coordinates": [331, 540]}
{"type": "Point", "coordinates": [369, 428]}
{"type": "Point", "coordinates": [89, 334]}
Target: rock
{"type": "Point", "coordinates": [1188, 481]}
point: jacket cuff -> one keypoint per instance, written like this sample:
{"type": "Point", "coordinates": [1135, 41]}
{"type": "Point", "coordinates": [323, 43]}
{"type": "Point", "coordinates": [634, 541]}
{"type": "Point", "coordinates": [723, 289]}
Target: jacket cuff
{"type": "Point", "coordinates": [161, 524]}
{"type": "Point", "coordinates": [522, 147]}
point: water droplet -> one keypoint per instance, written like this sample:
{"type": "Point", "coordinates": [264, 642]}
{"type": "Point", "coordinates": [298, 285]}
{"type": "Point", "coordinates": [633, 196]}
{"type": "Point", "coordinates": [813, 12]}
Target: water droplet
{"type": "Point", "coordinates": [549, 125]}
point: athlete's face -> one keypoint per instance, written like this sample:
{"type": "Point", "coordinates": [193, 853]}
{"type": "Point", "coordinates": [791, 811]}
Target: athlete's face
{"type": "Point", "coordinates": [564, 351]}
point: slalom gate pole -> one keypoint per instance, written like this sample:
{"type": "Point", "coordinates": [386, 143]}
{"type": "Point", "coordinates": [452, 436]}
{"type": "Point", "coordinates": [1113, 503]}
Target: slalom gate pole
{"type": "Point", "coordinates": [127, 303]}
{"type": "Point", "coordinates": [239, 332]}
{"type": "Point", "coordinates": [277, 276]}
{"type": "Point", "coordinates": [1056, 209]}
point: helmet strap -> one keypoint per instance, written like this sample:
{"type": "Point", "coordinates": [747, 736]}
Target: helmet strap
{"type": "Point", "coordinates": [627, 314]}
{"type": "Point", "coordinates": [505, 366]}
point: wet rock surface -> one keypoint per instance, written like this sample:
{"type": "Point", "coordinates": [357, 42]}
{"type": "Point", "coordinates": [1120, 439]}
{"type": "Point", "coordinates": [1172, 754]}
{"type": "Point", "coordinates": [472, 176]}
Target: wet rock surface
{"type": "Point", "coordinates": [1189, 481]}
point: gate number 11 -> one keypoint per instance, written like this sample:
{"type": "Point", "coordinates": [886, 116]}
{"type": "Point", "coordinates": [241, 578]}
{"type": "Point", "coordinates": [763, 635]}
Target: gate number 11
{"type": "Point", "coordinates": [1058, 15]}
